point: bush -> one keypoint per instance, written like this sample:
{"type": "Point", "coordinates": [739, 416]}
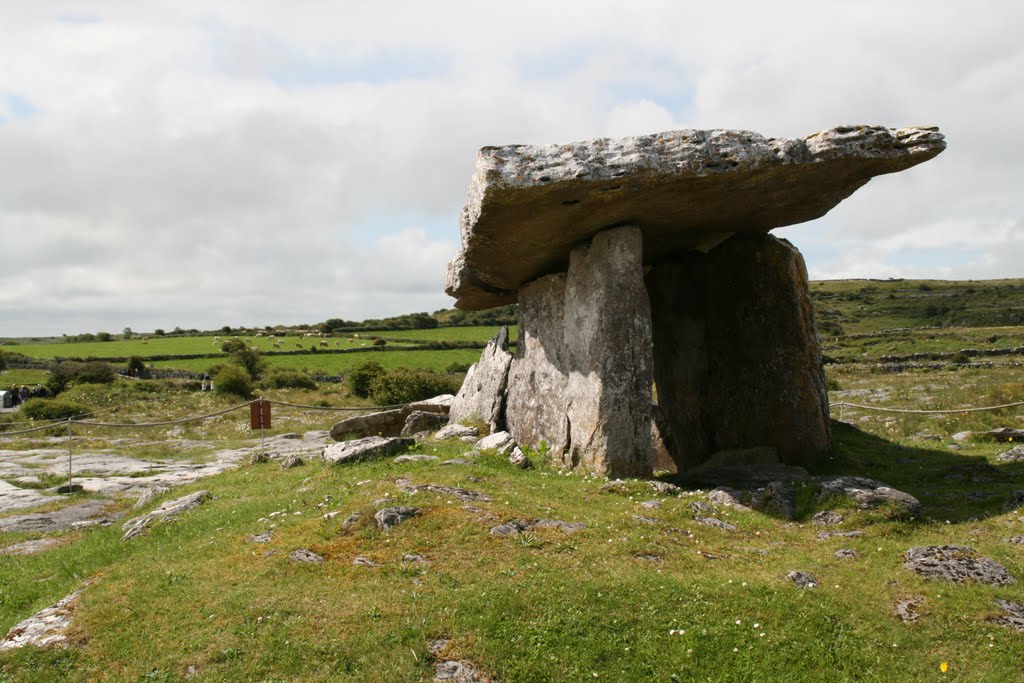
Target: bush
{"type": "Point", "coordinates": [233, 380]}
{"type": "Point", "coordinates": [288, 379]}
{"type": "Point", "coordinates": [456, 368]}
{"type": "Point", "coordinates": [380, 342]}
{"type": "Point", "coordinates": [70, 372]}
{"type": "Point", "coordinates": [137, 367]}
{"type": "Point", "coordinates": [245, 356]}
{"type": "Point", "coordinates": [3, 361]}
{"type": "Point", "coordinates": [52, 409]}
{"type": "Point", "coordinates": [361, 376]}
{"type": "Point", "coordinates": [403, 385]}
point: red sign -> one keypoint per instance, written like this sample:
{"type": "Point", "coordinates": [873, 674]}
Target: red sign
{"type": "Point", "coordinates": [259, 414]}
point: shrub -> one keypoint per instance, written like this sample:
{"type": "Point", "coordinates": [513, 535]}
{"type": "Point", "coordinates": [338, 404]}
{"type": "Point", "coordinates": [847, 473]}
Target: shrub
{"type": "Point", "coordinates": [233, 380]}
{"type": "Point", "coordinates": [69, 372]}
{"type": "Point", "coordinates": [3, 361]}
{"type": "Point", "coordinates": [380, 342]}
{"type": "Point", "coordinates": [361, 376]}
{"type": "Point", "coordinates": [404, 385]}
{"type": "Point", "coordinates": [456, 368]}
{"type": "Point", "coordinates": [245, 356]}
{"type": "Point", "coordinates": [137, 366]}
{"type": "Point", "coordinates": [52, 409]}
{"type": "Point", "coordinates": [288, 379]}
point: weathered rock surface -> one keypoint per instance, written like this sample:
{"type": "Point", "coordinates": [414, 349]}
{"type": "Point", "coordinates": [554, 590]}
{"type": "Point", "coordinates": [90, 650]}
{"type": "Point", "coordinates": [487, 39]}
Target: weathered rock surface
{"type": "Point", "coordinates": [383, 423]}
{"type": "Point", "coordinates": [956, 563]}
{"type": "Point", "coordinates": [166, 512]}
{"type": "Point", "coordinates": [1015, 454]}
{"type": "Point", "coordinates": [498, 441]}
{"type": "Point", "coordinates": [388, 518]}
{"type": "Point", "coordinates": [1012, 616]}
{"type": "Point", "coordinates": [368, 448]}
{"type": "Point", "coordinates": [867, 493]}
{"type": "Point", "coordinates": [732, 329]}
{"type": "Point", "coordinates": [908, 609]}
{"type": "Point", "coordinates": [30, 547]}
{"type": "Point", "coordinates": [802, 579]}
{"type": "Point", "coordinates": [45, 628]}
{"type": "Point", "coordinates": [482, 396]}
{"type": "Point", "coordinates": [777, 499]}
{"type": "Point", "coordinates": [304, 555]}
{"type": "Point", "coordinates": [514, 527]}
{"type": "Point", "coordinates": [688, 189]}
{"type": "Point", "coordinates": [416, 457]}
{"type": "Point", "coordinates": [455, 431]}
{"type": "Point", "coordinates": [827, 518]}
{"type": "Point", "coordinates": [580, 382]}
{"type": "Point", "coordinates": [422, 421]}
{"type": "Point", "coordinates": [439, 404]}
{"type": "Point", "coordinates": [519, 459]}
{"type": "Point", "coordinates": [715, 522]}
{"type": "Point", "coordinates": [291, 461]}
{"type": "Point", "coordinates": [846, 554]}
{"type": "Point", "coordinates": [86, 513]}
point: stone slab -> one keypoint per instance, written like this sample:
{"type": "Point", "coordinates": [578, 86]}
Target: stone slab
{"type": "Point", "coordinates": [529, 206]}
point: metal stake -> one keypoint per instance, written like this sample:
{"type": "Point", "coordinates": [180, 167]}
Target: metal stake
{"type": "Point", "coordinates": [263, 443]}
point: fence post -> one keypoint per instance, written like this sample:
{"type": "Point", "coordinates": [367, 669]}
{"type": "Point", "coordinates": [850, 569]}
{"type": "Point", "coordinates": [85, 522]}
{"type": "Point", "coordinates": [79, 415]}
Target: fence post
{"type": "Point", "coordinates": [70, 471]}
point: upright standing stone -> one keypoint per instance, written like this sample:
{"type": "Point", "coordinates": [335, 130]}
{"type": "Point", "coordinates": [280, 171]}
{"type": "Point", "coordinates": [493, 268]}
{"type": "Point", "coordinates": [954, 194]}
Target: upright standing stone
{"type": "Point", "coordinates": [737, 360]}
{"type": "Point", "coordinates": [581, 381]}
{"type": "Point", "coordinates": [482, 396]}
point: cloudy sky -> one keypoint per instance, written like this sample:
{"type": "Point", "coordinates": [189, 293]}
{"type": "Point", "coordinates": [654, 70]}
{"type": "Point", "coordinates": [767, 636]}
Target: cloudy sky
{"type": "Point", "coordinates": [244, 163]}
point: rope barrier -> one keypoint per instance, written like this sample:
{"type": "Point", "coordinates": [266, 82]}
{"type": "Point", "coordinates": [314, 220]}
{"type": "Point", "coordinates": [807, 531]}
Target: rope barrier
{"type": "Point", "coordinates": [194, 418]}
{"type": "Point", "coordinates": [844, 404]}
{"type": "Point", "coordinates": [34, 429]}
{"type": "Point", "coordinates": [308, 407]}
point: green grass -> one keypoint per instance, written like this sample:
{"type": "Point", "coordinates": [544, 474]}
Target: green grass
{"type": "Point", "coordinates": [476, 334]}
{"type": "Point", "coordinates": [546, 606]}
{"type": "Point", "coordinates": [333, 364]}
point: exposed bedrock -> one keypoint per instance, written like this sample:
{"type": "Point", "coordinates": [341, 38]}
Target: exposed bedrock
{"type": "Point", "coordinates": [529, 206]}
{"type": "Point", "coordinates": [736, 357]}
{"type": "Point", "coordinates": [581, 378]}
{"type": "Point", "coordinates": [482, 396]}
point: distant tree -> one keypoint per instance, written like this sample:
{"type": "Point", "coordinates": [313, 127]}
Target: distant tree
{"type": "Point", "coordinates": [3, 361]}
{"type": "Point", "coordinates": [127, 333]}
{"type": "Point", "coordinates": [177, 330]}
{"type": "Point", "coordinates": [158, 332]}
{"type": "Point", "coordinates": [243, 355]}
{"type": "Point", "coordinates": [226, 329]}
{"type": "Point", "coordinates": [104, 336]}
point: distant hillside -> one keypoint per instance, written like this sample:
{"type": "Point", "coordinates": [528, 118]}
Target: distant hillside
{"type": "Point", "coordinates": [847, 307]}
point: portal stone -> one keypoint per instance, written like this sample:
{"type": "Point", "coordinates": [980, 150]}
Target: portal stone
{"type": "Point", "coordinates": [581, 380]}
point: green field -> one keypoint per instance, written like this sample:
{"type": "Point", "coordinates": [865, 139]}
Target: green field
{"type": "Point", "coordinates": [337, 363]}
{"type": "Point", "coordinates": [476, 334]}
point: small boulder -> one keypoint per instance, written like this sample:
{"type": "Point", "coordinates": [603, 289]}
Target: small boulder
{"type": "Point", "coordinates": [726, 497]}
{"type": "Point", "coordinates": [439, 404]}
{"type": "Point", "coordinates": [1014, 501]}
{"type": "Point", "coordinates": [383, 423]}
{"type": "Point", "coordinates": [1015, 454]}
{"type": "Point", "coordinates": [498, 441]}
{"type": "Point", "coordinates": [802, 579]}
{"type": "Point", "coordinates": [258, 458]}
{"type": "Point", "coordinates": [166, 512]}
{"type": "Point", "coordinates": [827, 518]}
{"type": "Point", "coordinates": [715, 522]}
{"type": "Point", "coordinates": [363, 561]}
{"type": "Point", "coordinates": [512, 527]}
{"type": "Point", "coordinates": [867, 493]}
{"type": "Point", "coordinates": [518, 459]}
{"type": "Point", "coordinates": [370, 448]}
{"type": "Point", "coordinates": [304, 555]}
{"type": "Point", "coordinates": [847, 554]}
{"type": "Point", "coordinates": [262, 537]}
{"type": "Point", "coordinates": [1012, 616]}
{"type": "Point", "coordinates": [291, 461]}
{"type": "Point", "coordinates": [389, 518]}
{"type": "Point", "coordinates": [908, 610]}
{"type": "Point", "coordinates": [777, 499]}
{"type": "Point", "coordinates": [956, 563]}
{"type": "Point", "coordinates": [352, 520]}
{"type": "Point", "coordinates": [825, 535]}
{"type": "Point", "coordinates": [456, 431]}
{"type": "Point", "coordinates": [421, 421]}
{"type": "Point", "coordinates": [416, 457]}
{"type": "Point", "coordinates": [663, 488]}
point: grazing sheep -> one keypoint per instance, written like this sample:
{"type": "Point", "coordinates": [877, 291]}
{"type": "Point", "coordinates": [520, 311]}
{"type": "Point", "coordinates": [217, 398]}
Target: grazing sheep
{"type": "Point", "coordinates": [324, 343]}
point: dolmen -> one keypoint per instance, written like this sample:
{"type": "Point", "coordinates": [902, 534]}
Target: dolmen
{"type": "Point", "coordinates": [645, 265]}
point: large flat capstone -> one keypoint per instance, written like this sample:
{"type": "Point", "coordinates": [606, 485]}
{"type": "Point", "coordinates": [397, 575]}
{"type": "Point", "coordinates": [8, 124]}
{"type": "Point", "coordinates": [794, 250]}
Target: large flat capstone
{"type": "Point", "coordinates": [529, 206]}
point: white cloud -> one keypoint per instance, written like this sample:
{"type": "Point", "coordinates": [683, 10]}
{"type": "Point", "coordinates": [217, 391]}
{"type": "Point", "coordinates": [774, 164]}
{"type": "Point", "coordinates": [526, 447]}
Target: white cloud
{"type": "Point", "coordinates": [202, 164]}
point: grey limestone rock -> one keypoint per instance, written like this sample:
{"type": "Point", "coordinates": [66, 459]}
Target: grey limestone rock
{"type": "Point", "coordinates": [727, 497]}
{"type": "Point", "coordinates": [291, 461]}
{"type": "Point", "coordinates": [166, 512]}
{"type": "Point", "coordinates": [580, 382]}
{"type": "Point", "coordinates": [715, 522]}
{"type": "Point", "coordinates": [1012, 615]}
{"type": "Point", "coordinates": [519, 459]}
{"type": "Point", "coordinates": [305, 555]}
{"type": "Point", "coordinates": [1014, 500]}
{"type": "Point", "coordinates": [825, 535]}
{"type": "Point", "coordinates": [416, 457]}
{"type": "Point", "coordinates": [689, 189]}
{"type": "Point", "coordinates": [956, 563]}
{"type": "Point", "coordinates": [513, 527]}
{"type": "Point", "coordinates": [498, 441]}
{"type": "Point", "coordinates": [72, 516]}
{"type": "Point", "coordinates": [802, 579]}
{"type": "Point", "coordinates": [846, 554]}
{"type": "Point", "coordinates": [1015, 454]}
{"type": "Point", "coordinates": [388, 518]}
{"type": "Point", "coordinates": [259, 458]}
{"type": "Point", "coordinates": [363, 561]}
{"type": "Point", "coordinates": [422, 421]}
{"type": "Point", "coordinates": [827, 518]}
{"type": "Point", "coordinates": [455, 431]}
{"type": "Point", "coordinates": [867, 493]}
{"type": "Point", "coordinates": [46, 628]}
{"type": "Point", "coordinates": [482, 396]}
{"type": "Point", "coordinates": [777, 499]}
{"type": "Point", "coordinates": [352, 520]}
{"type": "Point", "coordinates": [664, 488]}
{"type": "Point", "coordinates": [262, 537]}
{"type": "Point", "coordinates": [438, 404]}
{"type": "Point", "coordinates": [908, 609]}
{"type": "Point", "coordinates": [384, 423]}
{"type": "Point", "coordinates": [369, 448]}
{"type": "Point", "coordinates": [455, 671]}
{"type": "Point", "coordinates": [30, 547]}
